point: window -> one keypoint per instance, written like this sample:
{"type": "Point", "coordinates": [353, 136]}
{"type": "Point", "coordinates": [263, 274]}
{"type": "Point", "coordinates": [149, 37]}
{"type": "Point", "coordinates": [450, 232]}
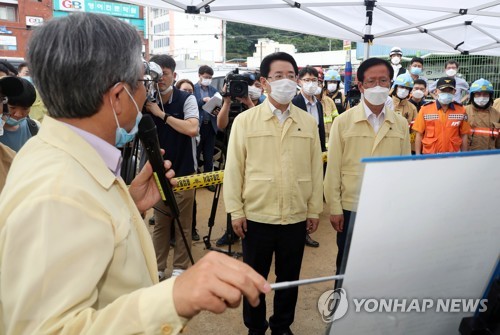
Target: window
{"type": "Point", "coordinates": [8, 12]}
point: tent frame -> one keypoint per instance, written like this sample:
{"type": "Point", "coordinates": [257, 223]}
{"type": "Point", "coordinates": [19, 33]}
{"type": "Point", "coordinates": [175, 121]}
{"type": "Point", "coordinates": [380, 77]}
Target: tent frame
{"type": "Point", "coordinates": [370, 6]}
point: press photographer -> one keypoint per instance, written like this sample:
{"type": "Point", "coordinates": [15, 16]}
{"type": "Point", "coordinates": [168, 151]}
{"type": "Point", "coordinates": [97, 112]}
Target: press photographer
{"type": "Point", "coordinates": [240, 92]}
{"type": "Point", "coordinates": [176, 118]}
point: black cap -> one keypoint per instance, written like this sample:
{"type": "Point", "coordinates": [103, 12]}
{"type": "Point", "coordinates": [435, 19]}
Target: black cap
{"type": "Point", "coordinates": [10, 86]}
{"type": "Point", "coordinates": [446, 82]}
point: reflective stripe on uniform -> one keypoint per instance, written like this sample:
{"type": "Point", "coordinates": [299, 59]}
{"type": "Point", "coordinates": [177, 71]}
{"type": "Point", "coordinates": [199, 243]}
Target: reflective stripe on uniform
{"type": "Point", "coordinates": [431, 117]}
{"type": "Point", "coordinates": [485, 132]}
{"type": "Point", "coordinates": [456, 117]}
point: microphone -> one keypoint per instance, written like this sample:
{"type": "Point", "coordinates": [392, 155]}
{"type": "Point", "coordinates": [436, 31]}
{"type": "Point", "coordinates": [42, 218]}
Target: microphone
{"type": "Point", "coordinates": [149, 139]}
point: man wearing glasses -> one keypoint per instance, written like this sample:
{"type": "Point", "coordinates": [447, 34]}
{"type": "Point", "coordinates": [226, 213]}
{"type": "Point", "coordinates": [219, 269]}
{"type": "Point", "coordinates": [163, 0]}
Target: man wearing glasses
{"type": "Point", "coordinates": [309, 83]}
{"type": "Point", "coordinates": [272, 188]}
{"type": "Point", "coordinates": [368, 130]}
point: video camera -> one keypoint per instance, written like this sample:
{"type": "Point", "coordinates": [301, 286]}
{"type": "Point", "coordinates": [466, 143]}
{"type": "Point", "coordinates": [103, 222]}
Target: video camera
{"type": "Point", "coordinates": [237, 84]}
{"type": "Point", "coordinates": [353, 97]}
{"type": "Point", "coordinates": [152, 73]}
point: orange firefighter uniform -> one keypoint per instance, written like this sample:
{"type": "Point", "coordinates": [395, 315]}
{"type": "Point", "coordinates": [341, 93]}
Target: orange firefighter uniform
{"type": "Point", "coordinates": [441, 131]}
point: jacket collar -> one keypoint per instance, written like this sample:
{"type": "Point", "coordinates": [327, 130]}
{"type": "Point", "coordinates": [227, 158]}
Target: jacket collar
{"type": "Point", "coordinates": [360, 114]}
{"type": "Point", "coordinates": [268, 112]}
{"type": "Point", "coordinates": [59, 135]}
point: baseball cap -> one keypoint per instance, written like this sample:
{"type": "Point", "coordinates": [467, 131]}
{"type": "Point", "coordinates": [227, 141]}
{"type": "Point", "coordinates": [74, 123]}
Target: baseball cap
{"type": "Point", "coordinates": [446, 82]}
{"type": "Point", "coordinates": [10, 86]}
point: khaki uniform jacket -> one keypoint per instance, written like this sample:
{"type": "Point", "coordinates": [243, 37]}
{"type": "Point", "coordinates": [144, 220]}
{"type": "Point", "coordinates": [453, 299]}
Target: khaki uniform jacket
{"type": "Point", "coordinates": [407, 110]}
{"type": "Point", "coordinates": [274, 172]}
{"type": "Point", "coordinates": [480, 118]}
{"type": "Point", "coordinates": [353, 138]}
{"type": "Point", "coordinates": [329, 113]}
{"type": "Point", "coordinates": [75, 255]}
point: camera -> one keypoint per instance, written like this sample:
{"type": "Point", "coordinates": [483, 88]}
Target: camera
{"type": "Point", "coordinates": [237, 84]}
{"type": "Point", "coordinates": [353, 97]}
{"type": "Point", "coordinates": [152, 73]}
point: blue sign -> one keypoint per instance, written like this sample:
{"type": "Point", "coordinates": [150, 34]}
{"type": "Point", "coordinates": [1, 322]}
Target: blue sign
{"type": "Point", "coordinates": [101, 7]}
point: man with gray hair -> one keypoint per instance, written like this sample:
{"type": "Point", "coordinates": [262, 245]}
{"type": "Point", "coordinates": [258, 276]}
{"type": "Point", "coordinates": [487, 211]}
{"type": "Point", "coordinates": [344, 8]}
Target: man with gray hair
{"type": "Point", "coordinates": [75, 255]}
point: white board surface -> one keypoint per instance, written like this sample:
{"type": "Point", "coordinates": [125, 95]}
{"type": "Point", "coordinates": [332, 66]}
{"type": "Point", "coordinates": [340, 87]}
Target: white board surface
{"type": "Point", "coordinates": [424, 229]}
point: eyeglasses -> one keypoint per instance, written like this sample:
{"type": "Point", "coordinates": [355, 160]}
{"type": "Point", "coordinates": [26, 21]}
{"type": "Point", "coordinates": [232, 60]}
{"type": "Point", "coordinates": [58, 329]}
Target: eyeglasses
{"type": "Point", "coordinates": [310, 80]}
{"type": "Point", "coordinates": [384, 82]}
{"type": "Point", "coordinates": [279, 76]}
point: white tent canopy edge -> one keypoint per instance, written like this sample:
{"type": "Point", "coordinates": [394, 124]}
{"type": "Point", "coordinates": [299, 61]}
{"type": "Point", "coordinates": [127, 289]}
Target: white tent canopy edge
{"type": "Point", "coordinates": [455, 26]}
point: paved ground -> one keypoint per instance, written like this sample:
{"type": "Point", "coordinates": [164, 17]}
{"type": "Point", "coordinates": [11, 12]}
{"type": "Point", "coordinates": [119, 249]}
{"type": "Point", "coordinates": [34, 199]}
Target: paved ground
{"type": "Point", "coordinates": [318, 262]}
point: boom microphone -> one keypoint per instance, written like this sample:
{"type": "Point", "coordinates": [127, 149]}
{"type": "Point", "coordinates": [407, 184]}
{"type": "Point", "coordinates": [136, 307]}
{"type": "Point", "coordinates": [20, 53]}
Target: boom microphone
{"type": "Point", "coordinates": [149, 138]}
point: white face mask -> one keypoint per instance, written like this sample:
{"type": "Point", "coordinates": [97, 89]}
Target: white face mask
{"type": "Point", "coordinates": [1, 125]}
{"type": "Point", "coordinates": [396, 60]}
{"type": "Point", "coordinates": [481, 101]}
{"type": "Point", "coordinates": [451, 72]}
{"type": "Point", "coordinates": [445, 98]}
{"type": "Point", "coordinates": [206, 82]}
{"type": "Point", "coordinates": [310, 87]}
{"type": "Point", "coordinates": [318, 90]}
{"type": "Point", "coordinates": [254, 93]}
{"type": "Point", "coordinates": [171, 87]}
{"type": "Point", "coordinates": [376, 95]}
{"type": "Point", "coordinates": [417, 94]}
{"type": "Point", "coordinates": [283, 91]}
{"type": "Point", "coordinates": [402, 93]}
{"type": "Point", "coordinates": [332, 87]}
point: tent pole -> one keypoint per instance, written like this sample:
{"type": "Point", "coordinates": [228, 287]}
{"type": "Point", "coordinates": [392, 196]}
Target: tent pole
{"type": "Point", "coordinates": [368, 37]}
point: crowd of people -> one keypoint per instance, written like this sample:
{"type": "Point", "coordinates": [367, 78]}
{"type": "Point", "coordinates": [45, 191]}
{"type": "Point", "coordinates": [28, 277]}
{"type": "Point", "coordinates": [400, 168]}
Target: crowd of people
{"type": "Point", "coordinates": [65, 210]}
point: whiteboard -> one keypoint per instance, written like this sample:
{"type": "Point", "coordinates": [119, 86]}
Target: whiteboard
{"type": "Point", "coordinates": [426, 227]}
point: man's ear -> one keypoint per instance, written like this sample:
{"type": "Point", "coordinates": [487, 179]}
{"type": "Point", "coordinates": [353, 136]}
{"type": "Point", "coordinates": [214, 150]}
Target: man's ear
{"type": "Point", "coordinates": [360, 87]}
{"type": "Point", "coordinates": [114, 97]}
{"type": "Point", "coordinates": [264, 84]}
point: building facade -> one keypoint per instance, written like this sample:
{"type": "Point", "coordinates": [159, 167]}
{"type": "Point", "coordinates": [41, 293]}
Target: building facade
{"type": "Point", "coordinates": [190, 39]}
{"type": "Point", "coordinates": [17, 19]}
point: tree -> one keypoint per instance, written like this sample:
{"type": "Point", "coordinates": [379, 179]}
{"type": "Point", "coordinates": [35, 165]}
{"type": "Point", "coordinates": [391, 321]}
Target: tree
{"type": "Point", "coordinates": [241, 39]}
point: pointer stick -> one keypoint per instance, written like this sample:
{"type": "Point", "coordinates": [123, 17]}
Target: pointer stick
{"type": "Point", "coordinates": [290, 284]}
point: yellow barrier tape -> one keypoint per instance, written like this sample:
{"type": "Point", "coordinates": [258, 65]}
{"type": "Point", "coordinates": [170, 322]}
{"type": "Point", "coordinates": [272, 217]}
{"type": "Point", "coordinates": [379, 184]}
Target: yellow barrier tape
{"type": "Point", "coordinates": [205, 179]}
{"type": "Point", "coordinates": [199, 180]}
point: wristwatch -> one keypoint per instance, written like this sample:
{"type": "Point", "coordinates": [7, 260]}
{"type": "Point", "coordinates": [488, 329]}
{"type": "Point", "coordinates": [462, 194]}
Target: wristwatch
{"type": "Point", "coordinates": [166, 117]}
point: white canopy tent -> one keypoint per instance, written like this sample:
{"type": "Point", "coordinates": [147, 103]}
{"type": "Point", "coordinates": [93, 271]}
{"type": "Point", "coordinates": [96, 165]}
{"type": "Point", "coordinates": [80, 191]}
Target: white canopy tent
{"type": "Point", "coordinates": [464, 26]}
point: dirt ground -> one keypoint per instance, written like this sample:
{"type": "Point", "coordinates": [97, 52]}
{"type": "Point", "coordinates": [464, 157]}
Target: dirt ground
{"type": "Point", "coordinates": [317, 262]}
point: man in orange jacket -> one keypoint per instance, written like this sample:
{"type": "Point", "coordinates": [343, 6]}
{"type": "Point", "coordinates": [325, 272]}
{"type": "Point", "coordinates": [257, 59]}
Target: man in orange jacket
{"type": "Point", "coordinates": [442, 125]}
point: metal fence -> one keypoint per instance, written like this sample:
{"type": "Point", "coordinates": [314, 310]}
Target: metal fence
{"type": "Point", "coordinates": [471, 68]}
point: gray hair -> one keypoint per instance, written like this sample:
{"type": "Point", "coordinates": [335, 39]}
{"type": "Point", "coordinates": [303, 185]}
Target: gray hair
{"type": "Point", "coordinates": [75, 60]}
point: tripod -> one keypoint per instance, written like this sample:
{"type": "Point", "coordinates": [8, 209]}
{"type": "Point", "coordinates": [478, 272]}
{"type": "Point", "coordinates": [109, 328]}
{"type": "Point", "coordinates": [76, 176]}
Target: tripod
{"type": "Point", "coordinates": [215, 202]}
{"type": "Point", "coordinates": [131, 156]}
{"type": "Point", "coordinates": [211, 222]}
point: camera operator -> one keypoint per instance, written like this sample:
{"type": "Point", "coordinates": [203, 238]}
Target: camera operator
{"type": "Point", "coordinates": [253, 98]}
{"type": "Point", "coordinates": [176, 118]}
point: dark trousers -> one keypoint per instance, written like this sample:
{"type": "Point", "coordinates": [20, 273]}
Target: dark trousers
{"type": "Point", "coordinates": [344, 241]}
{"type": "Point", "coordinates": [206, 146]}
{"type": "Point", "coordinates": [286, 242]}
